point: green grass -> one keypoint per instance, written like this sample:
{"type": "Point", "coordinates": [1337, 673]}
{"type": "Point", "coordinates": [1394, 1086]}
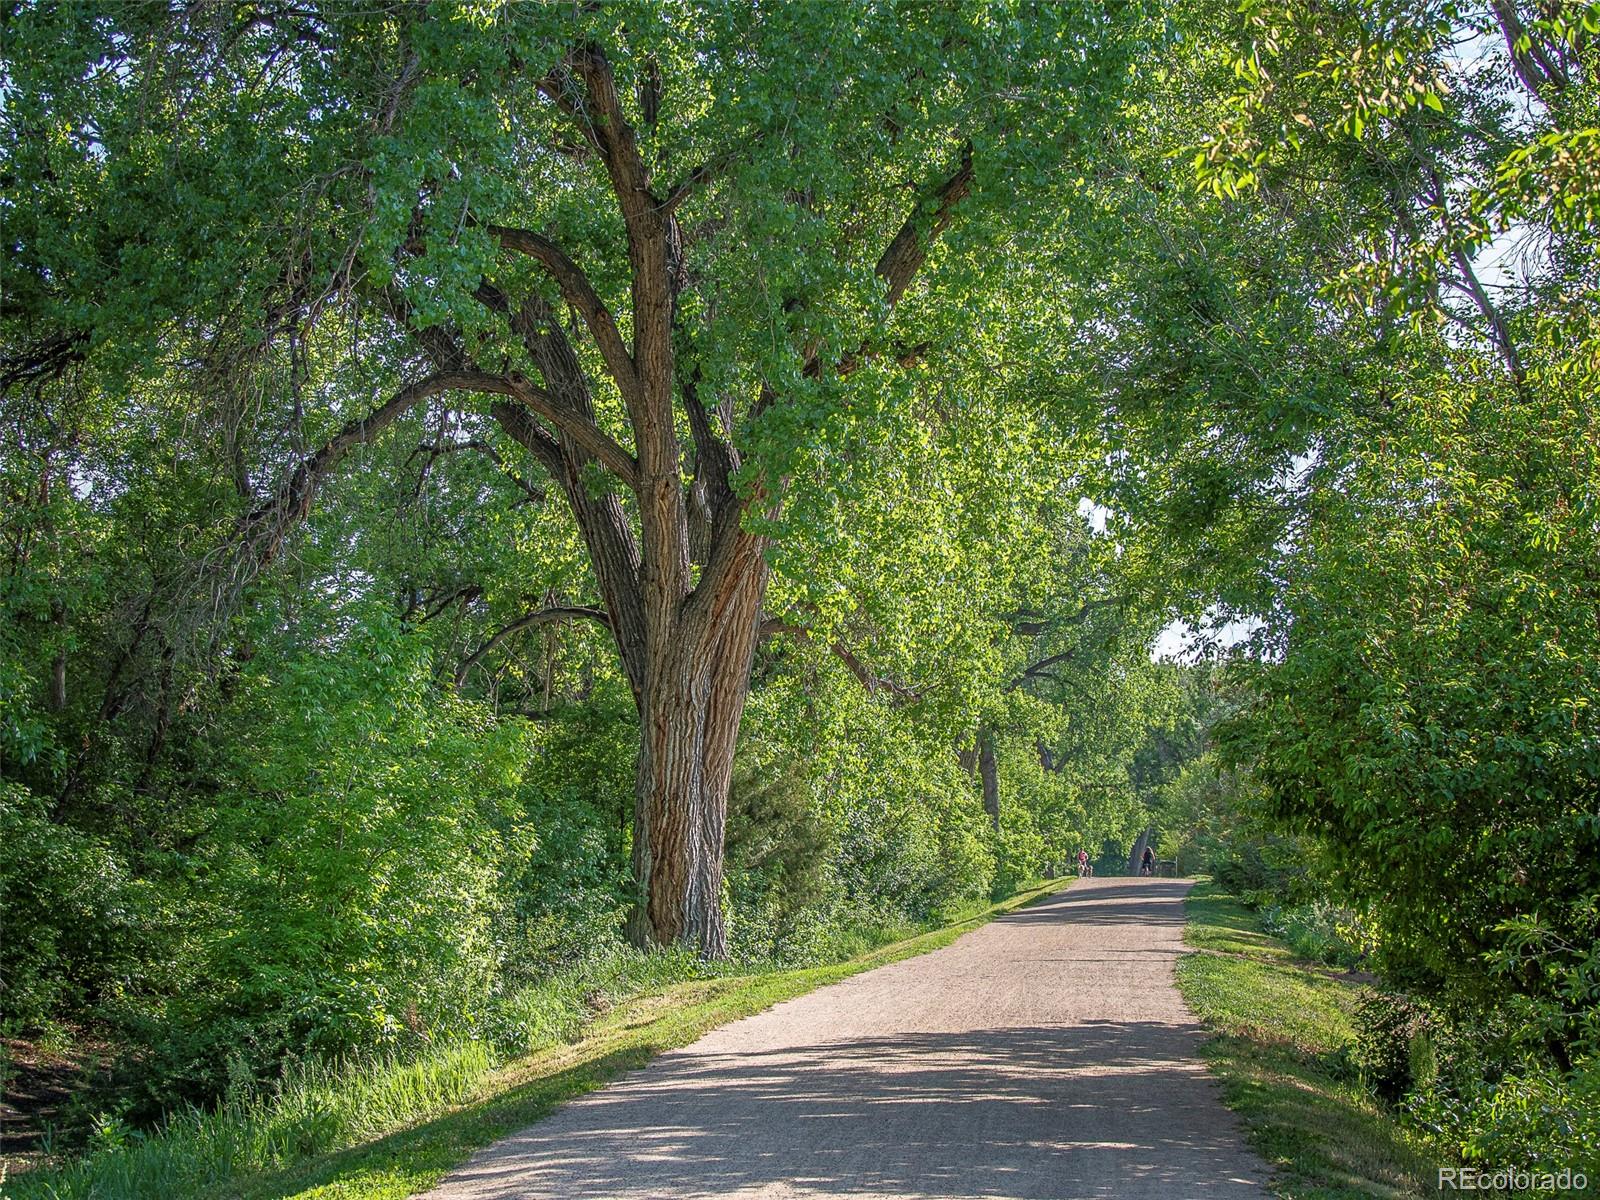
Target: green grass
{"type": "Point", "coordinates": [1281, 1027]}
{"type": "Point", "coordinates": [386, 1130]}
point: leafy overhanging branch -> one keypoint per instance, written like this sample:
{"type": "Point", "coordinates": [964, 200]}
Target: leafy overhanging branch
{"type": "Point", "coordinates": [870, 680]}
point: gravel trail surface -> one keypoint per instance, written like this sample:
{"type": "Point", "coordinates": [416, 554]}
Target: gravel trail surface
{"type": "Point", "coordinates": [1046, 1055]}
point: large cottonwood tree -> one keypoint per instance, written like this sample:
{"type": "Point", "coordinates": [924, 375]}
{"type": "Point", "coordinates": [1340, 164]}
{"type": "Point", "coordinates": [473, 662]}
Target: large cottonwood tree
{"type": "Point", "coordinates": [676, 255]}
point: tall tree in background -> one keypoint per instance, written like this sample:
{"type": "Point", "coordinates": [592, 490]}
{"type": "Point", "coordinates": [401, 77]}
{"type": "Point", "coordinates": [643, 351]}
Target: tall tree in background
{"type": "Point", "coordinates": [679, 258]}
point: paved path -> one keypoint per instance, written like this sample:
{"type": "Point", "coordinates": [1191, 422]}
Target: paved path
{"type": "Point", "coordinates": [1044, 1055]}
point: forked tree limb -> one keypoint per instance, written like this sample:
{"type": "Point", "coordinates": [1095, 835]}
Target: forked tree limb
{"type": "Point", "coordinates": [663, 507]}
{"type": "Point", "coordinates": [577, 291]}
{"type": "Point", "coordinates": [897, 266]}
{"type": "Point", "coordinates": [579, 428]}
{"type": "Point", "coordinates": [529, 434]}
{"type": "Point", "coordinates": [686, 186]}
{"type": "Point", "coordinates": [291, 503]}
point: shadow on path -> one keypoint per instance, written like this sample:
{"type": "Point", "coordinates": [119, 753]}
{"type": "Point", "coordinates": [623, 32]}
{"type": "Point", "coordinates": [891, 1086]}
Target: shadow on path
{"type": "Point", "coordinates": [1046, 1055]}
{"type": "Point", "coordinates": [1024, 1113]}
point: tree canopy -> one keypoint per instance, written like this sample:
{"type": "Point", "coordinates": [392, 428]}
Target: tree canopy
{"type": "Point", "coordinates": [490, 483]}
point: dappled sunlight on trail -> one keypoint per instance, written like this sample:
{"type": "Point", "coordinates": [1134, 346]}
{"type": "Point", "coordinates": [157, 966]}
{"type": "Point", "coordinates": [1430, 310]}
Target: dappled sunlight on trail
{"type": "Point", "coordinates": [1045, 1055]}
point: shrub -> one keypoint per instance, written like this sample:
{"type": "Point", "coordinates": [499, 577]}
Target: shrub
{"type": "Point", "coordinates": [1320, 931]}
{"type": "Point", "coordinates": [569, 892]}
{"type": "Point", "coordinates": [74, 920]}
{"type": "Point", "coordinates": [1263, 870]}
{"type": "Point", "coordinates": [1534, 1117]}
{"type": "Point", "coordinates": [1392, 1034]}
{"type": "Point", "coordinates": [777, 851]}
{"type": "Point", "coordinates": [342, 899]}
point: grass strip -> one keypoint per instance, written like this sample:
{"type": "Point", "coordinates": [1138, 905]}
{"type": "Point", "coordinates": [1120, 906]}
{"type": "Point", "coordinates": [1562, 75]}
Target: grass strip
{"type": "Point", "coordinates": [1281, 1032]}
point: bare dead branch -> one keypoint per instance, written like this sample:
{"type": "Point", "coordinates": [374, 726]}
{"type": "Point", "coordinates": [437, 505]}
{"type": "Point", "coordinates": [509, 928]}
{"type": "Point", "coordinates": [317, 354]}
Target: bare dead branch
{"type": "Point", "coordinates": [575, 612]}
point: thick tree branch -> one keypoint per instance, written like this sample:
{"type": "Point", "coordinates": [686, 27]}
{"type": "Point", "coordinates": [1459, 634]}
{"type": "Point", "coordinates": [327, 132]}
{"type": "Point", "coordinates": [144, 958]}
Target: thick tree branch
{"type": "Point", "coordinates": [770, 627]}
{"type": "Point", "coordinates": [1537, 65]}
{"type": "Point", "coordinates": [442, 345]}
{"type": "Point", "coordinates": [694, 180]}
{"type": "Point", "coordinates": [611, 132]}
{"type": "Point", "coordinates": [904, 355]}
{"type": "Point", "coordinates": [1040, 669]}
{"type": "Point", "coordinates": [604, 525]}
{"type": "Point", "coordinates": [1028, 623]}
{"type": "Point", "coordinates": [717, 459]}
{"type": "Point", "coordinates": [528, 433]}
{"type": "Point", "coordinates": [580, 293]}
{"type": "Point", "coordinates": [576, 426]}
{"type": "Point", "coordinates": [663, 514]}
{"type": "Point", "coordinates": [903, 258]}
{"type": "Point", "coordinates": [263, 529]}
{"type": "Point", "coordinates": [872, 682]}
{"type": "Point", "coordinates": [711, 491]}
{"type": "Point", "coordinates": [601, 518]}
{"type": "Point", "coordinates": [1021, 623]}
{"type": "Point", "coordinates": [42, 360]}
{"type": "Point", "coordinates": [432, 606]}
{"type": "Point", "coordinates": [905, 254]}
{"type": "Point", "coordinates": [1499, 332]}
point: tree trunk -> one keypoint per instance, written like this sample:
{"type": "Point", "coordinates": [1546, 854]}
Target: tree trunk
{"type": "Point", "coordinates": [967, 756]}
{"type": "Point", "coordinates": [989, 769]}
{"type": "Point", "coordinates": [58, 668]}
{"type": "Point", "coordinates": [680, 807]}
{"type": "Point", "coordinates": [693, 703]}
{"type": "Point", "coordinates": [1139, 845]}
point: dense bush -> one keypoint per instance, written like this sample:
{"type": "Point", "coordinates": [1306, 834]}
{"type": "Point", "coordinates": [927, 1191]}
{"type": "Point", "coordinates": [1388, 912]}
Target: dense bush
{"type": "Point", "coordinates": [1432, 721]}
{"type": "Point", "coordinates": [1533, 1117]}
{"type": "Point", "coordinates": [567, 888]}
{"type": "Point", "coordinates": [1476, 1084]}
{"type": "Point", "coordinates": [77, 925]}
{"type": "Point", "coordinates": [376, 866]}
{"type": "Point", "coordinates": [1321, 931]}
{"type": "Point", "coordinates": [313, 1105]}
{"type": "Point", "coordinates": [1211, 822]}
{"type": "Point", "coordinates": [779, 851]}
{"type": "Point", "coordinates": [1393, 1048]}
{"type": "Point", "coordinates": [342, 896]}
{"type": "Point", "coordinates": [903, 820]}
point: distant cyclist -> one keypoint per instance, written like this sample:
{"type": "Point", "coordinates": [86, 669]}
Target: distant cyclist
{"type": "Point", "coordinates": [1083, 864]}
{"type": "Point", "coordinates": [1147, 864]}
